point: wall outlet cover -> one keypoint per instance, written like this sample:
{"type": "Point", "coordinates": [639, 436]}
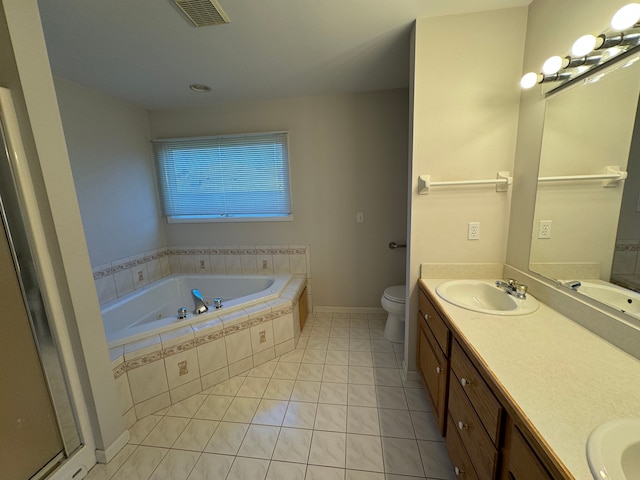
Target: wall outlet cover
{"type": "Point", "coordinates": [473, 232]}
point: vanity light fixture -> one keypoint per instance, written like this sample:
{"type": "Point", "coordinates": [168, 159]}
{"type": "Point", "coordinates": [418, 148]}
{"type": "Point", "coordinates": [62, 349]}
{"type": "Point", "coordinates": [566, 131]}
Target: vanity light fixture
{"type": "Point", "coordinates": [590, 51]}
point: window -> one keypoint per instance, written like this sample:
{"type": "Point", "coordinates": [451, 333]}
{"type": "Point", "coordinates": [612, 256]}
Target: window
{"type": "Point", "coordinates": [228, 177]}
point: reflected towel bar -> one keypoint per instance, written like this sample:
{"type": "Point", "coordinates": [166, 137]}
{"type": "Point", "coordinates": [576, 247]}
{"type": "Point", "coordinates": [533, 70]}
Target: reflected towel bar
{"type": "Point", "coordinates": [502, 182]}
{"type": "Point", "coordinates": [613, 174]}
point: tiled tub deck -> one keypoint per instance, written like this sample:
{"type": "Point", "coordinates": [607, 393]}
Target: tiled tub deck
{"type": "Point", "coordinates": [162, 370]}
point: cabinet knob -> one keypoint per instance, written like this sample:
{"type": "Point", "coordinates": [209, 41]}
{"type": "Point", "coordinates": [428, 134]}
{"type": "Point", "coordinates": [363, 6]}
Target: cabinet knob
{"type": "Point", "coordinates": [458, 471]}
{"type": "Point", "coordinates": [465, 382]}
{"type": "Point", "coordinates": [426, 316]}
{"type": "Point", "coordinates": [438, 370]}
{"type": "Point", "coordinates": [462, 426]}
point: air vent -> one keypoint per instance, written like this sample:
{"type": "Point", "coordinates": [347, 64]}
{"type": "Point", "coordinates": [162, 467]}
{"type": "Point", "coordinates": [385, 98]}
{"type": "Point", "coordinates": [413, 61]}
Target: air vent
{"type": "Point", "coordinates": [203, 13]}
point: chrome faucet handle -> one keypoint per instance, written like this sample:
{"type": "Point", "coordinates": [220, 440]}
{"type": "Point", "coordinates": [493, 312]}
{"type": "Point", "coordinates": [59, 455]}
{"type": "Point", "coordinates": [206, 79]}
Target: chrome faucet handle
{"type": "Point", "coordinates": [521, 290]}
{"type": "Point", "coordinates": [511, 282]}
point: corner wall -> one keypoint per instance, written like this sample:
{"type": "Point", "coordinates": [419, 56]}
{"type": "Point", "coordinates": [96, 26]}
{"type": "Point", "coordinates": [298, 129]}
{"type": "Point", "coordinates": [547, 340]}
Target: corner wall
{"type": "Point", "coordinates": [465, 112]}
{"type": "Point", "coordinates": [348, 154]}
{"type": "Point", "coordinates": [110, 152]}
{"type": "Point", "coordinates": [64, 267]}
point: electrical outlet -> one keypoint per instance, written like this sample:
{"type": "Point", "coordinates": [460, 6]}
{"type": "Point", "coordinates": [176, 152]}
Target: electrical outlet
{"type": "Point", "coordinates": [544, 229]}
{"type": "Point", "coordinates": [474, 231]}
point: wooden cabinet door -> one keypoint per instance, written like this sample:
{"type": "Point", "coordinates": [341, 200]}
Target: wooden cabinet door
{"type": "Point", "coordinates": [434, 368]}
{"type": "Point", "coordinates": [524, 464]}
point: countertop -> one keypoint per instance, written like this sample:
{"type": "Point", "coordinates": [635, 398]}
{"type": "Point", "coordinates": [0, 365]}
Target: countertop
{"type": "Point", "coordinates": [564, 379]}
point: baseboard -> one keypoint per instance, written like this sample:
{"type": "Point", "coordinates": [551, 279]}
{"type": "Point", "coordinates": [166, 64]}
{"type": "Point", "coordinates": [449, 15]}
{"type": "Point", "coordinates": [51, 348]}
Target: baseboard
{"type": "Point", "coordinates": [409, 375]}
{"type": "Point", "coordinates": [323, 309]}
{"type": "Point", "coordinates": [105, 456]}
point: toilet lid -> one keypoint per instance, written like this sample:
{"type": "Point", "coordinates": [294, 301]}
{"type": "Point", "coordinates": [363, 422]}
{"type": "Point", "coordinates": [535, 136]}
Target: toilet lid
{"type": "Point", "coordinates": [395, 293]}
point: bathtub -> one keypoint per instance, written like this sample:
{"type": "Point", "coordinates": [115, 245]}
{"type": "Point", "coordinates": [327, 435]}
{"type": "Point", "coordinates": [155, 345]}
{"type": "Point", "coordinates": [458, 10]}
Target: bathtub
{"type": "Point", "coordinates": [154, 309]}
{"type": "Point", "coordinates": [159, 360]}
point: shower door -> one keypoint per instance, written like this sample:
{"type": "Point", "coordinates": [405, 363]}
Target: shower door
{"type": "Point", "coordinates": [38, 427]}
{"type": "Point", "coordinates": [29, 436]}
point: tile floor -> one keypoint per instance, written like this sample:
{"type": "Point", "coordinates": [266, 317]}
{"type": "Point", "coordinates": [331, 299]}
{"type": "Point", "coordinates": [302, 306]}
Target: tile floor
{"type": "Point", "coordinates": [334, 408]}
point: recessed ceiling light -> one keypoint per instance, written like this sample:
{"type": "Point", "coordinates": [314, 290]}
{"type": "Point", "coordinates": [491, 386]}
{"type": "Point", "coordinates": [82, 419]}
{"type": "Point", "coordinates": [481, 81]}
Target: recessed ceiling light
{"type": "Point", "coordinates": [198, 87]}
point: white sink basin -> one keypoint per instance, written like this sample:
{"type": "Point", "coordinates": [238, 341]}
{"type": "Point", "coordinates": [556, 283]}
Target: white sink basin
{"type": "Point", "coordinates": [613, 450]}
{"type": "Point", "coordinates": [612, 295]}
{"type": "Point", "coordinates": [484, 297]}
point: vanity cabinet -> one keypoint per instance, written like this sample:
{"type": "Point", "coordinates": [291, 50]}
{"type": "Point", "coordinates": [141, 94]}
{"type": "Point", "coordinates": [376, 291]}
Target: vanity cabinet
{"type": "Point", "coordinates": [482, 428]}
{"type": "Point", "coordinates": [475, 414]}
{"type": "Point", "coordinates": [434, 340]}
{"type": "Point", "coordinates": [523, 463]}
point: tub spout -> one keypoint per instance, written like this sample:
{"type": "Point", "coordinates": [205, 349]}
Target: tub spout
{"type": "Point", "coordinates": [201, 305]}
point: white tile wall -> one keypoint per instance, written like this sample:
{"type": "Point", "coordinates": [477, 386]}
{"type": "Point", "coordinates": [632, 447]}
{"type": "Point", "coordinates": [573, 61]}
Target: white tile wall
{"type": "Point", "coordinates": [128, 274]}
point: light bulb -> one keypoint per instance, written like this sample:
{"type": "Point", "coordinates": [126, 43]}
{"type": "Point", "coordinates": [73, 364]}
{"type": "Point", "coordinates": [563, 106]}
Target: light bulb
{"type": "Point", "coordinates": [583, 46]}
{"type": "Point", "coordinates": [529, 80]}
{"type": "Point", "coordinates": [552, 65]}
{"type": "Point", "coordinates": [626, 17]}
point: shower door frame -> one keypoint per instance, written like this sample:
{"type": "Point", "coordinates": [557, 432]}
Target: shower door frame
{"type": "Point", "coordinates": [79, 452]}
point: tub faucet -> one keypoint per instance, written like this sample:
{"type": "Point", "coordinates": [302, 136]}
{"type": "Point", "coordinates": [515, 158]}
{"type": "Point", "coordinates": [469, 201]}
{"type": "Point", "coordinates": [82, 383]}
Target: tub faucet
{"type": "Point", "coordinates": [201, 305]}
{"type": "Point", "coordinates": [512, 287]}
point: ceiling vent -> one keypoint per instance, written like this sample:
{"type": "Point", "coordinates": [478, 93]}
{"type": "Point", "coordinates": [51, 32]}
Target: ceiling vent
{"type": "Point", "coordinates": [203, 13]}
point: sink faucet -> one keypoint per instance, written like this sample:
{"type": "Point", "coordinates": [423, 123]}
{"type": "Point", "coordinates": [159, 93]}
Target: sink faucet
{"type": "Point", "coordinates": [512, 287]}
{"type": "Point", "coordinates": [201, 305]}
{"type": "Point", "coordinates": [573, 284]}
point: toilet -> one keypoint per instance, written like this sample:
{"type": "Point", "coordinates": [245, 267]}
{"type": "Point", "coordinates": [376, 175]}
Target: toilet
{"type": "Point", "coordinates": [393, 302]}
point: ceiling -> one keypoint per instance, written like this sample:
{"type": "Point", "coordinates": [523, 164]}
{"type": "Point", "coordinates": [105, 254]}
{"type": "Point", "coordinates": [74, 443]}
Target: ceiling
{"type": "Point", "coordinates": [147, 53]}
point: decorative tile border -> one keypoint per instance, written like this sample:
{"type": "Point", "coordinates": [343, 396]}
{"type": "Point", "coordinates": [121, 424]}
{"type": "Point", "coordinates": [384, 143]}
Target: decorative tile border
{"type": "Point", "coordinates": [118, 267]}
{"type": "Point", "coordinates": [627, 247]}
{"type": "Point", "coordinates": [199, 340]}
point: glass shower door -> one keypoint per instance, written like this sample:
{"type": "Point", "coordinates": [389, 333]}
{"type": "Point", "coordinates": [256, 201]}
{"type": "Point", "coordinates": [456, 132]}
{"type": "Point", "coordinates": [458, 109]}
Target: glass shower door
{"type": "Point", "coordinates": [29, 437]}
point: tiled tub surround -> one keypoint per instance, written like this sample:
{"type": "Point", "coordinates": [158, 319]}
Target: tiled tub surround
{"type": "Point", "coordinates": [123, 276]}
{"type": "Point", "coordinates": [626, 264]}
{"type": "Point", "coordinates": [163, 369]}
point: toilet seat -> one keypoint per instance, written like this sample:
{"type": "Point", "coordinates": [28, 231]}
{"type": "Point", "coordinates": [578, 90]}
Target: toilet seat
{"type": "Point", "coordinates": [395, 294]}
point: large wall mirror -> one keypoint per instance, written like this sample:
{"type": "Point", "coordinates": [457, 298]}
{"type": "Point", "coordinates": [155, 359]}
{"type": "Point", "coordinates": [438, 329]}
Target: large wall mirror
{"type": "Point", "coordinates": [586, 232]}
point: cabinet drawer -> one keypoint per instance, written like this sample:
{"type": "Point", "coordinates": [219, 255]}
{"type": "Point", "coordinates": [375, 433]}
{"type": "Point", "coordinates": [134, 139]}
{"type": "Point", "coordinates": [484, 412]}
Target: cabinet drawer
{"type": "Point", "coordinates": [523, 462]}
{"type": "Point", "coordinates": [468, 426]}
{"type": "Point", "coordinates": [435, 322]}
{"type": "Point", "coordinates": [477, 391]}
{"type": "Point", "coordinates": [460, 460]}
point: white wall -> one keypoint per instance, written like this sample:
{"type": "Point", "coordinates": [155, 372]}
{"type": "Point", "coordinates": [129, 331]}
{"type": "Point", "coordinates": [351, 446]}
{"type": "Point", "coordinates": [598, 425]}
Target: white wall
{"type": "Point", "coordinates": [110, 153]}
{"type": "Point", "coordinates": [348, 154]}
{"type": "Point", "coordinates": [465, 110]}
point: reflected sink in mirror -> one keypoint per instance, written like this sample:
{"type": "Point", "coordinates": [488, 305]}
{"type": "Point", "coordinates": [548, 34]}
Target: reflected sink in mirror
{"type": "Point", "coordinates": [621, 299]}
{"type": "Point", "coordinates": [613, 450]}
{"type": "Point", "coordinates": [484, 297]}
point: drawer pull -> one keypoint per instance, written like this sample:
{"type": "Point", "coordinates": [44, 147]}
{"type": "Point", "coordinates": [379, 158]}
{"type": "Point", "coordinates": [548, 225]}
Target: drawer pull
{"type": "Point", "coordinates": [464, 382]}
{"type": "Point", "coordinates": [459, 472]}
{"type": "Point", "coordinates": [462, 426]}
{"type": "Point", "coordinates": [439, 370]}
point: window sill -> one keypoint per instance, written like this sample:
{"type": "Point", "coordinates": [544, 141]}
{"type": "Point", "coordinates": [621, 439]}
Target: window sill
{"type": "Point", "coordinates": [229, 219]}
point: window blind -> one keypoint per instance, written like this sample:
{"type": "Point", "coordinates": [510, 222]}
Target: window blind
{"type": "Point", "coordinates": [224, 176]}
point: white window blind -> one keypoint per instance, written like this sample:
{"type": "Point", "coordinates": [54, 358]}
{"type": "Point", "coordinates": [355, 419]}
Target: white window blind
{"type": "Point", "coordinates": [224, 177]}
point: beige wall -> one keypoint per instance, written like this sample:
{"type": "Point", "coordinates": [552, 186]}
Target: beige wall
{"type": "Point", "coordinates": [465, 113]}
{"type": "Point", "coordinates": [110, 153]}
{"type": "Point", "coordinates": [348, 154]}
